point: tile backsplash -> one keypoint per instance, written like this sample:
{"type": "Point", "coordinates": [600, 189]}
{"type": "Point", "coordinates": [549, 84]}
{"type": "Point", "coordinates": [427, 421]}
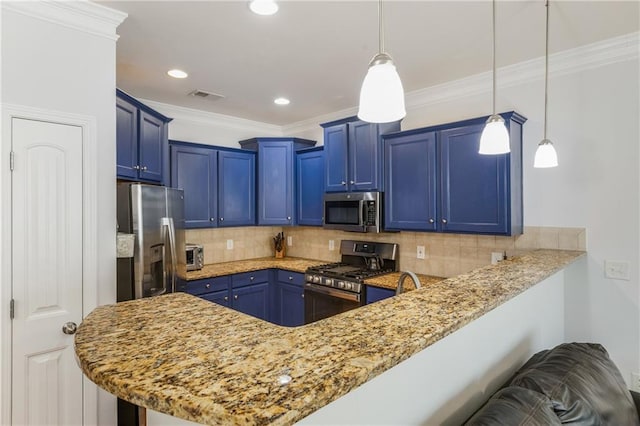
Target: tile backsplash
{"type": "Point", "coordinates": [445, 254]}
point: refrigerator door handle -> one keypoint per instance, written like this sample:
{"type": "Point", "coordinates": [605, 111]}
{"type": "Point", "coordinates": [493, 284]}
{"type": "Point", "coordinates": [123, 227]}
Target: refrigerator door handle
{"type": "Point", "coordinates": [172, 248]}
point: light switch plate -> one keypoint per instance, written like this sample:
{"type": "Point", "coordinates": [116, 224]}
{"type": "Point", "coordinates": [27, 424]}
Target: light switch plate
{"type": "Point", "coordinates": [289, 240]}
{"type": "Point", "coordinates": [332, 245]}
{"type": "Point", "coordinates": [617, 270]}
{"type": "Point", "coordinates": [229, 244]}
{"type": "Point", "coordinates": [420, 252]}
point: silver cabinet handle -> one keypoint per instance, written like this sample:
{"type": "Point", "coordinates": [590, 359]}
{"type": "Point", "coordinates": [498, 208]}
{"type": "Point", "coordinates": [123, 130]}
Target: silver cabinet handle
{"type": "Point", "coordinates": [207, 285]}
{"type": "Point", "coordinates": [212, 219]}
{"type": "Point", "coordinates": [235, 297]}
{"type": "Point", "coordinates": [303, 295]}
{"type": "Point", "coordinates": [444, 220]}
{"type": "Point", "coordinates": [222, 219]}
{"type": "Point", "coordinates": [136, 167]}
{"type": "Point", "coordinates": [352, 182]}
{"type": "Point", "coordinates": [290, 278]}
{"type": "Point", "coordinates": [288, 217]}
{"type": "Point", "coordinates": [251, 278]}
{"type": "Point", "coordinates": [431, 220]}
{"type": "Point", "coordinates": [144, 168]}
{"type": "Point", "coordinates": [343, 183]}
{"type": "Point", "coordinates": [226, 298]}
{"type": "Point", "coordinates": [69, 328]}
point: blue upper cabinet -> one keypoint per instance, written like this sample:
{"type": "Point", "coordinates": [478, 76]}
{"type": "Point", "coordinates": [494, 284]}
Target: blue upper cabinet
{"type": "Point", "coordinates": [456, 189]}
{"type": "Point", "coordinates": [218, 184]}
{"type": "Point", "coordinates": [353, 154]}
{"type": "Point", "coordinates": [236, 188]}
{"type": "Point", "coordinates": [410, 182]}
{"type": "Point", "coordinates": [276, 184]}
{"type": "Point", "coordinates": [310, 186]}
{"type": "Point", "coordinates": [194, 170]}
{"type": "Point", "coordinates": [141, 140]}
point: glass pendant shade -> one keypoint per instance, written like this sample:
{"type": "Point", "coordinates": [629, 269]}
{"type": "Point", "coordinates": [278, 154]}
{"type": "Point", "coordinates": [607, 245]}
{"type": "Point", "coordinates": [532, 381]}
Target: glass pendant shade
{"type": "Point", "coordinates": [545, 155]}
{"type": "Point", "coordinates": [382, 94]}
{"type": "Point", "coordinates": [495, 137]}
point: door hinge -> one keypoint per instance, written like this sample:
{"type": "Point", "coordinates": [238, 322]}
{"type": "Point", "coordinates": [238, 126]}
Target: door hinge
{"type": "Point", "coordinates": [11, 160]}
{"type": "Point", "coordinates": [12, 309]}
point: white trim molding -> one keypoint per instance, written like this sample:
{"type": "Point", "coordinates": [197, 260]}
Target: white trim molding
{"type": "Point", "coordinates": [90, 238]}
{"type": "Point", "coordinates": [602, 53]}
{"type": "Point", "coordinates": [212, 118]}
{"type": "Point", "coordinates": [81, 15]}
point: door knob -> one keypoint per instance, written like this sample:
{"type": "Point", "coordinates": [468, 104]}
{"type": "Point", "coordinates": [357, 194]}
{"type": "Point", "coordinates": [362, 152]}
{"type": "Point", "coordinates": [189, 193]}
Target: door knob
{"type": "Point", "coordinates": [444, 221]}
{"type": "Point", "coordinates": [136, 167]}
{"type": "Point", "coordinates": [431, 220]}
{"type": "Point", "coordinates": [143, 168]}
{"type": "Point", "coordinates": [69, 328]}
{"type": "Point", "coordinates": [352, 182]}
{"type": "Point", "coordinates": [343, 183]}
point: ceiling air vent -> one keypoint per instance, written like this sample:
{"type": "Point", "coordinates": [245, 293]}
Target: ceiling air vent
{"type": "Point", "coordinates": [203, 94]}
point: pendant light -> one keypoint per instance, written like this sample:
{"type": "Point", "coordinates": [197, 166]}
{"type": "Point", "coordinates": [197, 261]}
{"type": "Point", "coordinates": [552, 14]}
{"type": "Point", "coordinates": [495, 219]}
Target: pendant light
{"type": "Point", "coordinates": [381, 95]}
{"type": "Point", "coordinates": [546, 154]}
{"type": "Point", "coordinates": [495, 137]}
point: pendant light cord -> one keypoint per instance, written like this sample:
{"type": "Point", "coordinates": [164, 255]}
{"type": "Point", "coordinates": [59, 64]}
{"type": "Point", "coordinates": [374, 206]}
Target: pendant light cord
{"type": "Point", "coordinates": [380, 28]}
{"type": "Point", "coordinates": [546, 69]}
{"type": "Point", "coordinates": [494, 55]}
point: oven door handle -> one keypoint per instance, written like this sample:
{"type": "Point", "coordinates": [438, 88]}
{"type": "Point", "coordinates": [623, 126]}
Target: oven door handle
{"type": "Point", "coordinates": [354, 297]}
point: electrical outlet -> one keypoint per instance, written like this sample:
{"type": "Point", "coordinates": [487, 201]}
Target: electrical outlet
{"type": "Point", "coordinates": [289, 240]}
{"type": "Point", "coordinates": [229, 244]}
{"type": "Point", "coordinates": [420, 252]}
{"type": "Point", "coordinates": [616, 270]}
{"type": "Point", "coordinates": [496, 257]}
{"type": "Point", "coordinates": [635, 382]}
{"type": "Point", "coordinates": [332, 245]}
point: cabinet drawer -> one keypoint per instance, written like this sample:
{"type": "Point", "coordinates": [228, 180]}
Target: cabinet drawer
{"type": "Point", "coordinates": [290, 277]}
{"type": "Point", "coordinates": [246, 278]}
{"type": "Point", "coordinates": [207, 285]}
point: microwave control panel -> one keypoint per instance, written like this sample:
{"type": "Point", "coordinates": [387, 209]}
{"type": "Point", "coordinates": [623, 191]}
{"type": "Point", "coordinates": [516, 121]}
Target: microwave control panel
{"type": "Point", "coordinates": [370, 213]}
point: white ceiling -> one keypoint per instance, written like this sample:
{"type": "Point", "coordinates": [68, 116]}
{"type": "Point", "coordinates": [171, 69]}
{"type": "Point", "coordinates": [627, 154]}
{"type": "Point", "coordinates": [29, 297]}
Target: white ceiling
{"type": "Point", "coordinates": [316, 52]}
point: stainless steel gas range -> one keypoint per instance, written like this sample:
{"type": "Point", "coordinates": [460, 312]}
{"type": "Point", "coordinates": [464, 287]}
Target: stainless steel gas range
{"type": "Point", "coordinates": [338, 287]}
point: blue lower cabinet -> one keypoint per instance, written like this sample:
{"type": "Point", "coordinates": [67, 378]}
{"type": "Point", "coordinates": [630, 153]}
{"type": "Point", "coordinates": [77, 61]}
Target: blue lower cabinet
{"type": "Point", "coordinates": [252, 300]}
{"type": "Point", "coordinates": [219, 297]}
{"type": "Point", "coordinates": [374, 294]}
{"type": "Point", "coordinates": [289, 299]}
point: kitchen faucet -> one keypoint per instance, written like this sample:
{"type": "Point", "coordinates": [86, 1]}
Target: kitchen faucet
{"type": "Point", "coordinates": [403, 276]}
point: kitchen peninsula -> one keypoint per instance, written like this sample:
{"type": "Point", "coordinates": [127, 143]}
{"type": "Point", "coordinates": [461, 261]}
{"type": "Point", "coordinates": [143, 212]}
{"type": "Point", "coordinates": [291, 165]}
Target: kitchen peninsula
{"type": "Point", "coordinates": [202, 362]}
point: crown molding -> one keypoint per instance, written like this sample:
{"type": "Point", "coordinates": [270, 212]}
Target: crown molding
{"type": "Point", "coordinates": [212, 118]}
{"type": "Point", "coordinates": [595, 55]}
{"type": "Point", "coordinates": [81, 15]}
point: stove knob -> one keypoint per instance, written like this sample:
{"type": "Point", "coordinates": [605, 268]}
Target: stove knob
{"type": "Point", "coordinates": [328, 282]}
{"type": "Point", "coordinates": [347, 286]}
{"type": "Point", "coordinates": [316, 279]}
{"type": "Point", "coordinates": [341, 284]}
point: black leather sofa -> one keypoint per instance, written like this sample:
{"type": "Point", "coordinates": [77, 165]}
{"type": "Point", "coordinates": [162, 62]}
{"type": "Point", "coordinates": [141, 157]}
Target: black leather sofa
{"type": "Point", "coordinates": [574, 383]}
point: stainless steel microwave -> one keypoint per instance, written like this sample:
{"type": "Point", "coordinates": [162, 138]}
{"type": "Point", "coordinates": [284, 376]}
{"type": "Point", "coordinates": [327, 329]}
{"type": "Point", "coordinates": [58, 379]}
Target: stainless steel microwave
{"type": "Point", "coordinates": [353, 211]}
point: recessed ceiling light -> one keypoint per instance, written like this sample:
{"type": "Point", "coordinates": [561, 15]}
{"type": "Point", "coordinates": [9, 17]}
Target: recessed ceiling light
{"type": "Point", "coordinates": [177, 73]}
{"type": "Point", "coordinates": [281, 101]}
{"type": "Point", "coordinates": [263, 7]}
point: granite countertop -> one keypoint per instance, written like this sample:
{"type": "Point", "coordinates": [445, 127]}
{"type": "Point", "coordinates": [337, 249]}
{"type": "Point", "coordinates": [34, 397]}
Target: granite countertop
{"type": "Point", "coordinates": [295, 264]}
{"type": "Point", "coordinates": [199, 361]}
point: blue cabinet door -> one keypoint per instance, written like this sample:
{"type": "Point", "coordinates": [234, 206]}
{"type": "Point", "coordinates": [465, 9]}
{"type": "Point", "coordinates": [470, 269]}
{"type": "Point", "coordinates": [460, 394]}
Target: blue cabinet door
{"type": "Point", "coordinates": [410, 182]}
{"type": "Point", "coordinates": [252, 300]}
{"type": "Point", "coordinates": [126, 139]}
{"type": "Point", "coordinates": [474, 192]}
{"type": "Point", "coordinates": [290, 303]}
{"type": "Point", "coordinates": [364, 161]}
{"type": "Point", "coordinates": [194, 170]}
{"type": "Point", "coordinates": [275, 183]}
{"type": "Point", "coordinates": [336, 154]}
{"type": "Point", "coordinates": [374, 294]}
{"type": "Point", "coordinates": [236, 188]}
{"type": "Point", "coordinates": [310, 187]}
{"type": "Point", "coordinates": [219, 297]}
{"type": "Point", "coordinates": [151, 149]}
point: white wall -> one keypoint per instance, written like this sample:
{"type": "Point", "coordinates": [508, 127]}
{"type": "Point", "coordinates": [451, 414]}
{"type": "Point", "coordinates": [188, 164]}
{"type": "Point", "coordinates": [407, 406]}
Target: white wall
{"type": "Point", "coordinates": [60, 68]}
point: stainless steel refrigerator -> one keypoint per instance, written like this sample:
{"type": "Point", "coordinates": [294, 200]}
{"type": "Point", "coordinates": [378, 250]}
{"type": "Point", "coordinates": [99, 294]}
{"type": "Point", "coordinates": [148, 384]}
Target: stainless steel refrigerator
{"type": "Point", "coordinates": [155, 214]}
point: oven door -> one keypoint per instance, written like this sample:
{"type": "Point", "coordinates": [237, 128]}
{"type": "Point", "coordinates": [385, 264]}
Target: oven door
{"type": "Point", "coordinates": [323, 302]}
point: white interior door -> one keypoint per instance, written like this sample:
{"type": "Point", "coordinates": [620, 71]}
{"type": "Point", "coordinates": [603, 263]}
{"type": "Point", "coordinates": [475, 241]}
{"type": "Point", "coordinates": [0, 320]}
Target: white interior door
{"type": "Point", "coordinates": [46, 272]}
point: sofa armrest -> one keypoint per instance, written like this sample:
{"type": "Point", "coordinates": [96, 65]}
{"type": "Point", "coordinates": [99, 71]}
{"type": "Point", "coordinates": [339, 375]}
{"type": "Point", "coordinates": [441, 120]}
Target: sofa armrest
{"type": "Point", "coordinates": [636, 400]}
